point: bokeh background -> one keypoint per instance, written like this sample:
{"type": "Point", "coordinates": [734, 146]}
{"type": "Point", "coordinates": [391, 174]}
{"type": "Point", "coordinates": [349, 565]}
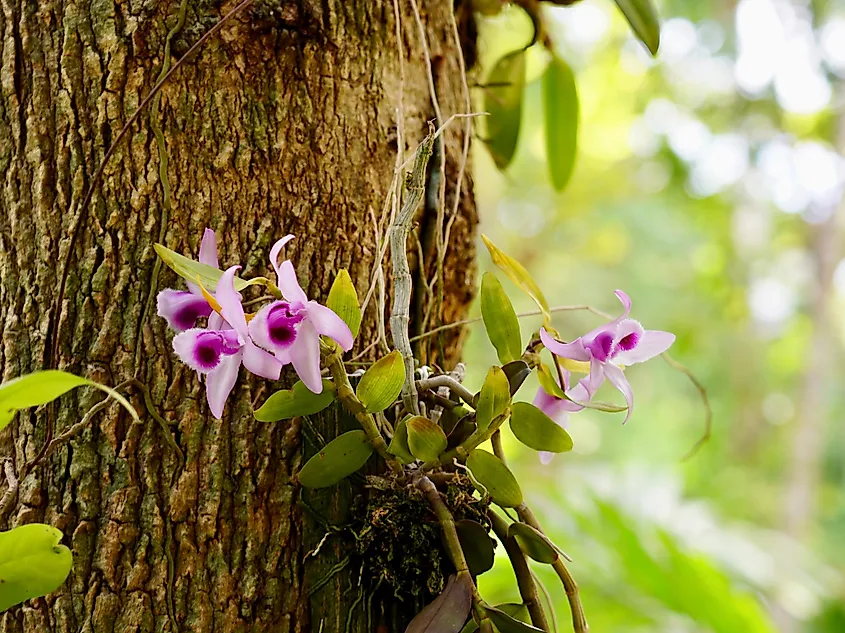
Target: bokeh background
{"type": "Point", "coordinates": [708, 186]}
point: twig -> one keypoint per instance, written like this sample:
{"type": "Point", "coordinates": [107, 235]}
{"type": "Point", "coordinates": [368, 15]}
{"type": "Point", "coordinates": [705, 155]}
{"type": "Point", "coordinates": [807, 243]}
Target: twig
{"type": "Point", "coordinates": [11, 487]}
{"type": "Point", "coordinates": [435, 382]}
{"type": "Point", "coordinates": [400, 318]}
{"type": "Point", "coordinates": [524, 579]}
{"type": "Point", "coordinates": [705, 399]}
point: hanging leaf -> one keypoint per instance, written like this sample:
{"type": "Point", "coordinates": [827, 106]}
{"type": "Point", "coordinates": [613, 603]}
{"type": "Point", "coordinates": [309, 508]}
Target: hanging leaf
{"type": "Point", "coordinates": [509, 624]}
{"type": "Point", "coordinates": [514, 609]}
{"type": "Point", "coordinates": [399, 443]}
{"type": "Point", "coordinates": [478, 547]}
{"type": "Point", "coordinates": [339, 458]}
{"type": "Point", "coordinates": [343, 299]}
{"type": "Point", "coordinates": [189, 269]}
{"type": "Point", "coordinates": [560, 106]}
{"type": "Point", "coordinates": [33, 563]}
{"type": "Point", "coordinates": [516, 371]}
{"type": "Point", "coordinates": [41, 387]}
{"type": "Point", "coordinates": [517, 274]}
{"type": "Point", "coordinates": [535, 544]}
{"type": "Point", "coordinates": [448, 612]}
{"type": "Point", "coordinates": [503, 101]}
{"type": "Point", "coordinates": [426, 440]}
{"type": "Point", "coordinates": [382, 383]}
{"type": "Point", "coordinates": [450, 418]}
{"type": "Point", "coordinates": [642, 16]}
{"type": "Point", "coordinates": [500, 319]}
{"type": "Point", "coordinates": [465, 427]}
{"type": "Point", "coordinates": [295, 402]}
{"type": "Point", "coordinates": [494, 398]}
{"type": "Point", "coordinates": [536, 430]}
{"type": "Point", "coordinates": [499, 481]}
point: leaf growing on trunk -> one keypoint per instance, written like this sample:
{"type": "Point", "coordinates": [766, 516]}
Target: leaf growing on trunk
{"type": "Point", "coordinates": [535, 544]}
{"type": "Point", "coordinates": [189, 269]}
{"type": "Point", "coordinates": [642, 16]}
{"type": "Point", "coordinates": [41, 387]}
{"type": "Point", "coordinates": [500, 320]}
{"type": "Point", "coordinates": [497, 478]}
{"type": "Point", "coordinates": [494, 398]}
{"type": "Point", "coordinates": [448, 612]}
{"type": "Point", "coordinates": [536, 430]}
{"type": "Point", "coordinates": [503, 101]}
{"type": "Point", "coordinates": [426, 440]}
{"type": "Point", "coordinates": [33, 562]}
{"type": "Point", "coordinates": [294, 402]}
{"type": "Point", "coordinates": [513, 609]}
{"type": "Point", "coordinates": [382, 383]}
{"type": "Point", "coordinates": [560, 107]}
{"type": "Point", "coordinates": [509, 624]}
{"type": "Point", "coordinates": [477, 545]}
{"type": "Point", "coordinates": [399, 443]}
{"type": "Point", "coordinates": [343, 299]}
{"type": "Point", "coordinates": [339, 458]}
{"type": "Point", "coordinates": [517, 274]}
{"type": "Point", "coordinates": [516, 371]}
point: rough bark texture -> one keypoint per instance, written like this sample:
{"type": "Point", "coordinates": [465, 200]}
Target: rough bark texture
{"type": "Point", "coordinates": [284, 123]}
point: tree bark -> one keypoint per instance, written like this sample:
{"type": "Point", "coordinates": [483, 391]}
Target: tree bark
{"type": "Point", "coordinates": [285, 123]}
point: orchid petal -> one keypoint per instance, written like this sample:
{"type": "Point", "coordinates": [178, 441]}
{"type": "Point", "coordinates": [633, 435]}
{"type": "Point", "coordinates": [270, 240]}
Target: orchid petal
{"type": "Point", "coordinates": [277, 248]}
{"type": "Point", "coordinates": [327, 323]}
{"type": "Point", "coordinates": [260, 362]}
{"type": "Point", "coordinates": [216, 322]}
{"type": "Point", "coordinates": [546, 457]}
{"type": "Point", "coordinates": [617, 378]}
{"type": "Point", "coordinates": [274, 327]}
{"type": "Point", "coordinates": [208, 249]}
{"type": "Point", "coordinates": [181, 309]}
{"type": "Point", "coordinates": [574, 350]}
{"type": "Point", "coordinates": [650, 344]}
{"type": "Point", "coordinates": [202, 349]}
{"type": "Point", "coordinates": [626, 304]}
{"type": "Point", "coordinates": [627, 336]}
{"type": "Point", "coordinates": [219, 383]}
{"type": "Point", "coordinates": [230, 303]}
{"type": "Point", "coordinates": [305, 356]}
{"type": "Point", "coordinates": [288, 283]}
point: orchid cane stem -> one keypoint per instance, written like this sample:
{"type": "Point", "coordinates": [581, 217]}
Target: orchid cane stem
{"type": "Point", "coordinates": [579, 620]}
{"type": "Point", "coordinates": [350, 402]}
{"type": "Point", "coordinates": [524, 579]}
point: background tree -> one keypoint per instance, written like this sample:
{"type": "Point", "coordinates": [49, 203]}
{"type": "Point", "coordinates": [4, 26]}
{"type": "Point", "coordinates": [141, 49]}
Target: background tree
{"type": "Point", "coordinates": [289, 122]}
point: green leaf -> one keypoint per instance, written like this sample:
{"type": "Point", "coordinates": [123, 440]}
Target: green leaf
{"type": "Point", "coordinates": [517, 274]}
{"type": "Point", "coordinates": [399, 442]}
{"type": "Point", "coordinates": [503, 101]}
{"type": "Point", "coordinates": [533, 543]}
{"type": "Point", "coordinates": [425, 439]}
{"type": "Point", "coordinates": [295, 402]}
{"type": "Point", "coordinates": [513, 609]}
{"type": "Point", "coordinates": [343, 299]}
{"type": "Point", "coordinates": [465, 427]}
{"type": "Point", "coordinates": [516, 371]}
{"type": "Point", "coordinates": [536, 430]}
{"type": "Point", "coordinates": [33, 563]}
{"type": "Point", "coordinates": [477, 545]}
{"type": "Point", "coordinates": [560, 106]}
{"type": "Point", "coordinates": [448, 612]}
{"type": "Point", "coordinates": [508, 624]}
{"type": "Point", "coordinates": [494, 398]}
{"type": "Point", "coordinates": [499, 481]}
{"type": "Point", "coordinates": [189, 269]}
{"type": "Point", "coordinates": [642, 16]}
{"type": "Point", "coordinates": [41, 387]}
{"type": "Point", "coordinates": [382, 383]}
{"type": "Point", "coordinates": [500, 319]}
{"type": "Point", "coordinates": [339, 458]}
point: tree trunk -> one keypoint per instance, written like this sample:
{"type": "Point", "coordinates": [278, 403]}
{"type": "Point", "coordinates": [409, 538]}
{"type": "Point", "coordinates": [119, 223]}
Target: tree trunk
{"type": "Point", "coordinates": [284, 123]}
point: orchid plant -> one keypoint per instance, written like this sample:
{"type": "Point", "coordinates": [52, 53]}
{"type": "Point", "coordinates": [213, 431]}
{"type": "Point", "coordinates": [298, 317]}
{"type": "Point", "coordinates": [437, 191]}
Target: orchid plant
{"type": "Point", "coordinates": [437, 436]}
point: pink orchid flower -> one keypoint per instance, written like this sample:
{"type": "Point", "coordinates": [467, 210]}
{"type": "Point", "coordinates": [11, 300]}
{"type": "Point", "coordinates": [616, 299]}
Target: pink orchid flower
{"type": "Point", "coordinates": [621, 342]}
{"type": "Point", "coordinates": [291, 329]}
{"type": "Point", "coordinates": [182, 308]}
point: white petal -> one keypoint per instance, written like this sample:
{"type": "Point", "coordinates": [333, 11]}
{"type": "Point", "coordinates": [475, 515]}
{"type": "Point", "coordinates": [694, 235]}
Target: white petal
{"type": "Point", "coordinates": [327, 323]}
{"type": "Point", "coordinates": [652, 343]}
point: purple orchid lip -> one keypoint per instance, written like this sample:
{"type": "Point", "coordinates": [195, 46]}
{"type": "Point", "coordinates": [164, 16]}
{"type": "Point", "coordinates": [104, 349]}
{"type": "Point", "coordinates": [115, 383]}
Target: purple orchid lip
{"type": "Point", "coordinates": [282, 321]}
{"type": "Point", "coordinates": [202, 349]}
{"type": "Point", "coordinates": [181, 309]}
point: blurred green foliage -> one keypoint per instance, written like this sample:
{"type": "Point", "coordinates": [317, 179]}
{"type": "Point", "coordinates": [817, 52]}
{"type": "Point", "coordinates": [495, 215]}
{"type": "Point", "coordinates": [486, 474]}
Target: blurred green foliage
{"type": "Point", "coordinates": [705, 183]}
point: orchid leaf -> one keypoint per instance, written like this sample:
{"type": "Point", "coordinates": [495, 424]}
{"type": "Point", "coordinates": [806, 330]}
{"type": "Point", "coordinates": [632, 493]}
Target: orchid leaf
{"type": "Point", "coordinates": [448, 612]}
{"type": "Point", "coordinates": [500, 320]}
{"type": "Point", "coordinates": [33, 563]}
{"type": "Point", "coordinates": [560, 103]}
{"type": "Point", "coordinates": [295, 402]}
{"type": "Point", "coordinates": [478, 547]}
{"type": "Point", "coordinates": [382, 383]}
{"type": "Point", "coordinates": [536, 430]}
{"type": "Point", "coordinates": [535, 545]}
{"type": "Point", "coordinates": [517, 274]}
{"type": "Point", "coordinates": [496, 478]}
{"type": "Point", "coordinates": [494, 398]}
{"type": "Point", "coordinates": [399, 443]}
{"type": "Point", "coordinates": [343, 300]}
{"type": "Point", "coordinates": [515, 610]}
{"type": "Point", "coordinates": [465, 427]}
{"type": "Point", "coordinates": [426, 440]}
{"type": "Point", "coordinates": [642, 16]}
{"type": "Point", "coordinates": [41, 387]}
{"type": "Point", "coordinates": [503, 101]}
{"type": "Point", "coordinates": [338, 459]}
{"type": "Point", "coordinates": [516, 371]}
{"type": "Point", "coordinates": [508, 624]}
{"type": "Point", "coordinates": [193, 271]}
